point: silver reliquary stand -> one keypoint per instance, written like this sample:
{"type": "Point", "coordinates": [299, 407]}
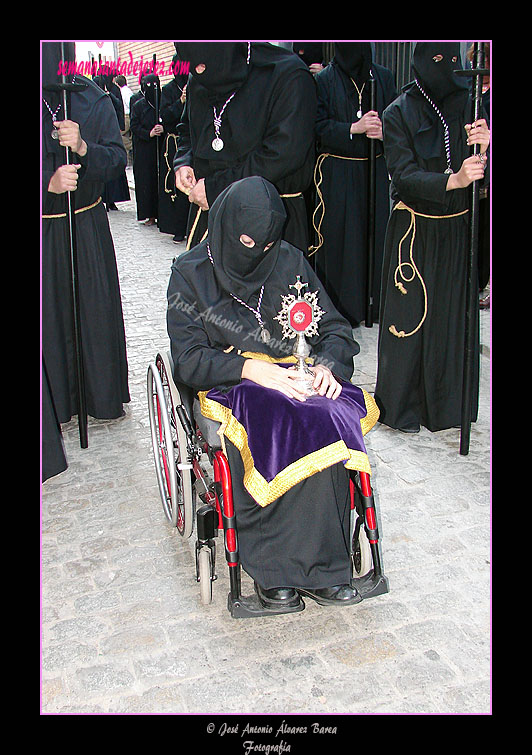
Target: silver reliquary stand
{"type": "Point", "coordinates": [299, 316]}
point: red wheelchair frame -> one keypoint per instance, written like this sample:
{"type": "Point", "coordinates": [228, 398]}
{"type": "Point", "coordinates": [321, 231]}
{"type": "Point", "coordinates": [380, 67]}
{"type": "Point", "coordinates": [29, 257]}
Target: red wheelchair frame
{"type": "Point", "coordinates": [180, 449]}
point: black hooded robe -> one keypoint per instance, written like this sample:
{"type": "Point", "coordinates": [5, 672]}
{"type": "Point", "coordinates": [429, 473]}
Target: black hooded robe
{"type": "Point", "coordinates": [302, 538]}
{"type": "Point", "coordinates": [102, 325]}
{"type": "Point", "coordinates": [173, 204]}
{"type": "Point", "coordinates": [342, 174]}
{"type": "Point", "coordinates": [145, 147]}
{"type": "Point", "coordinates": [267, 128]}
{"type": "Point", "coordinates": [420, 372]}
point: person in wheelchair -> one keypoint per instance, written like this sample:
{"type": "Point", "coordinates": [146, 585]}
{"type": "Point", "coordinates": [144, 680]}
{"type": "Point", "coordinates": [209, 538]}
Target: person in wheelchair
{"type": "Point", "coordinates": [289, 453]}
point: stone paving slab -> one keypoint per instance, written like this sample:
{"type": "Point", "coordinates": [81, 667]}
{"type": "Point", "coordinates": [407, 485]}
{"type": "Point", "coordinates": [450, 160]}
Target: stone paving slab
{"type": "Point", "coordinates": [123, 629]}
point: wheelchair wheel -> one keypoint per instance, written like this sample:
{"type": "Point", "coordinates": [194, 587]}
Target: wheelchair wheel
{"type": "Point", "coordinates": [205, 575]}
{"type": "Point", "coordinates": [360, 550]}
{"type": "Point", "coordinates": [169, 443]}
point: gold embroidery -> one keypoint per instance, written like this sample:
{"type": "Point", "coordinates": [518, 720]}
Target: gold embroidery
{"type": "Point", "coordinates": [265, 492]}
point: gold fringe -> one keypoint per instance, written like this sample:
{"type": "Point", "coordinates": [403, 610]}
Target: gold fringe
{"type": "Point", "coordinates": [76, 212]}
{"type": "Point", "coordinates": [415, 272]}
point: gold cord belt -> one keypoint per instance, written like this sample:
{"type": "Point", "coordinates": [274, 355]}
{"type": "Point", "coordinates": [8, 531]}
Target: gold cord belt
{"type": "Point", "coordinates": [411, 264]}
{"type": "Point", "coordinates": [76, 212]}
{"type": "Point", "coordinates": [321, 204]}
{"type": "Point", "coordinates": [170, 170]}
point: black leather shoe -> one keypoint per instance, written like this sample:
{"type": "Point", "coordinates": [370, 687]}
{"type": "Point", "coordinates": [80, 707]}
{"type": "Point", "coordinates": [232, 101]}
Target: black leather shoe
{"type": "Point", "coordinates": [278, 597]}
{"type": "Point", "coordinates": [339, 595]}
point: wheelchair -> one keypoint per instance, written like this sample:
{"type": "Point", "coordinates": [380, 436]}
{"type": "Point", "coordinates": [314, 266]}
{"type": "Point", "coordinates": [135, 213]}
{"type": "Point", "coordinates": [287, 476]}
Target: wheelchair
{"type": "Point", "coordinates": [194, 481]}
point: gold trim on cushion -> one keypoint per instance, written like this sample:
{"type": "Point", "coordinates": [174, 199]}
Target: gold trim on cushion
{"type": "Point", "coordinates": [372, 413]}
{"type": "Point", "coordinates": [265, 492]}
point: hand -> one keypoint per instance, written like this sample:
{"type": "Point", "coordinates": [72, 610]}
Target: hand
{"type": "Point", "coordinates": [325, 382]}
{"type": "Point", "coordinates": [183, 97]}
{"type": "Point", "coordinates": [70, 136]}
{"type": "Point", "coordinates": [370, 124]}
{"type": "Point", "coordinates": [198, 195]}
{"type": "Point", "coordinates": [478, 133]}
{"type": "Point", "coordinates": [64, 179]}
{"type": "Point", "coordinates": [185, 179]}
{"type": "Point", "coordinates": [157, 130]}
{"type": "Point", "coordinates": [272, 376]}
{"type": "Point", "coordinates": [315, 68]}
{"type": "Point", "coordinates": [472, 170]}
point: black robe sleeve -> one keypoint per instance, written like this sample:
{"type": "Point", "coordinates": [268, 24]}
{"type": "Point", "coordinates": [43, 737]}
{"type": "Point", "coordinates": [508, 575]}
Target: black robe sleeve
{"type": "Point", "coordinates": [412, 180]}
{"type": "Point", "coordinates": [183, 155]}
{"type": "Point", "coordinates": [335, 112]}
{"type": "Point", "coordinates": [285, 145]}
{"type": "Point", "coordinates": [105, 159]}
{"type": "Point", "coordinates": [171, 109]}
{"type": "Point", "coordinates": [195, 302]}
{"type": "Point", "coordinates": [331, 131]}
{"type": "Point", "coordinates": [142, 121]}
{"type": "Point", "coordinates": [196, 362]}
{"type": "Point", "coordinates": [106, 156]}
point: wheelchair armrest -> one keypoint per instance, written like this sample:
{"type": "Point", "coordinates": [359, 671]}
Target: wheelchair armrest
{"type": "Point", "coordinates": [186, 393]}
{"type": "Point", "coordinates": [190, 403]}
{"type": "Point", "coordinates": [208, 427]}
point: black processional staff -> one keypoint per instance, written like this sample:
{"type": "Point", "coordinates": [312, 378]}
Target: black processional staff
{"type": "Point", "coordinates": [157, 119]}
{"type": "Point", "coordinates": [66, 88]}
{"type": "Point", "coordinates": [372, 155]}
{"type": "Point", "coordinates": [477, 72]}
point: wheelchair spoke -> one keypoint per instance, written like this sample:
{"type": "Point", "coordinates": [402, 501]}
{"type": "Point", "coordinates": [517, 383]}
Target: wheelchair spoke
{"type": "Point", "coordinates": [170, 447]}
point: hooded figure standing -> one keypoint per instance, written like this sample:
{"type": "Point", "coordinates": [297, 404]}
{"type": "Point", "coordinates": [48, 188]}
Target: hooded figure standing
{"type": "Point", "coordinates": [288, 453]}
{"type": "Point", "coordinates": [427, 135]}
{"type": "Point", "coordinates": [98, 157]}
{"type": "Point", "coordinates": [173, 204]}
{"type": "Point", "coordinates": [145, 131]}
{"type": "Point", "coordinates": [250, 112]}
{"type": "Point", "coordinates": [345, 124]}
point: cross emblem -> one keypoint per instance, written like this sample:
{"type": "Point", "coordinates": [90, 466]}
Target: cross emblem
{"type": "Point", "coordinates": [298, 286]}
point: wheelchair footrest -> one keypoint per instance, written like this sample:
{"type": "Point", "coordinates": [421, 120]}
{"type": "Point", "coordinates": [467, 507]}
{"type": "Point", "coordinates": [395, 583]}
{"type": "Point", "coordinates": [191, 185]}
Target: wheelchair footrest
{"type": "Point", "coordinates": [370, 585]}
{"type": "Point", "coordinates": [250, 607]}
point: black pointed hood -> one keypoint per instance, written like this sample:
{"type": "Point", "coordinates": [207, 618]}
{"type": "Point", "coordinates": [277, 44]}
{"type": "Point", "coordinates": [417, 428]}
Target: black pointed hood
{"type": "Point", "coordinates": [251, 206]}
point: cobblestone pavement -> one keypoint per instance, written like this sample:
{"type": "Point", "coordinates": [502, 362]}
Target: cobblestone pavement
{"type": "Point", "coordinates": [123, 629]}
